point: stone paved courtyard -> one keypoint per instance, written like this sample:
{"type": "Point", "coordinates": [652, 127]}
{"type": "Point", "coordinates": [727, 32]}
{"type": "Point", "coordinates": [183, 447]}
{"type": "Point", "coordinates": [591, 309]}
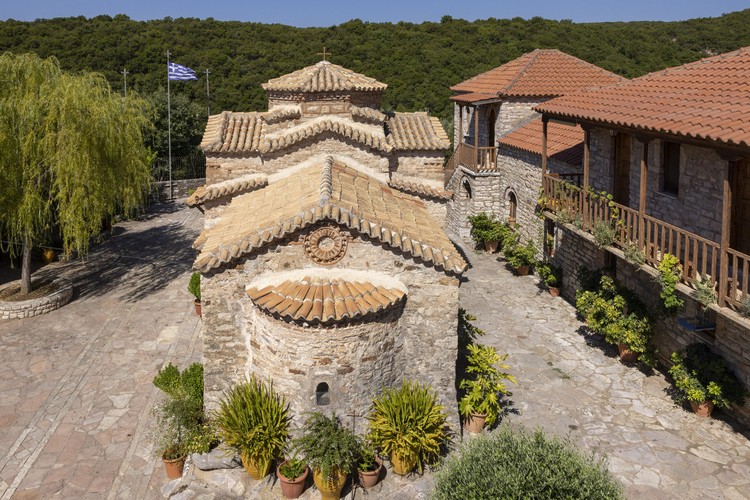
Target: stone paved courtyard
{"type": "Point", "coordinates": [75, 384]}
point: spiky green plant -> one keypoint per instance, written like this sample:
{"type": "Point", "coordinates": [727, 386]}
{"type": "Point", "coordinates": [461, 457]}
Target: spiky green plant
{"type": "Point", "coordinates": [408, 422]}
{"type": "Point", "coordinates": [485, 387]}
{"type": "Point", "coordinates": [254, 419]}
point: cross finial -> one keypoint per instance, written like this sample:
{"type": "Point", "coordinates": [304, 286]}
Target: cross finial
{"type": "Point", "coordinates": [125, 72]}
{"type": "Point", "coordinates": [324, 53]}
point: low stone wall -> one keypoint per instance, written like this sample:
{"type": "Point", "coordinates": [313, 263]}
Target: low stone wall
{"type": "Point", "coordinates": [575, 248]}
{"type": "Point", "coordinates": [180, 189]}
{"type": "Point", "coordinates": [35, 307]}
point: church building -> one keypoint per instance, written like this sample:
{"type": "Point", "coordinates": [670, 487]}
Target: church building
{"type": "Point", "coordinates": [325, 263]}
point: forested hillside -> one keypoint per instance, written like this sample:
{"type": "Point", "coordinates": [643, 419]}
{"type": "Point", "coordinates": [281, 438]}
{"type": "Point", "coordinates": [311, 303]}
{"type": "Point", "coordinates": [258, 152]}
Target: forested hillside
{"type": "Point", "coordinates": [417, 61]}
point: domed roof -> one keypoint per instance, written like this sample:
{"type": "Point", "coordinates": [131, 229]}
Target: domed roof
{"type": "Point", "coordinates": [324, 77]}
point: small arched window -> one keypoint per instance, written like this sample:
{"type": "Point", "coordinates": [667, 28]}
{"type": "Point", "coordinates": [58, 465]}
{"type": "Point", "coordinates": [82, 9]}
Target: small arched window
{"type": "Point", "coordinates": [513, 204]}
{"type": "Point", "coordinates": [467, 188]}
{"type": "Point", "coordinates": [322, 395]}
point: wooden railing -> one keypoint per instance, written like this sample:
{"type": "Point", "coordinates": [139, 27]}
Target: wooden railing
{"type": "Point", "coordinates": [478, 159]}
{"type": "Point", "coordinates": [697, 255]}
{"type": "Point", "coordinates": [451, 166]}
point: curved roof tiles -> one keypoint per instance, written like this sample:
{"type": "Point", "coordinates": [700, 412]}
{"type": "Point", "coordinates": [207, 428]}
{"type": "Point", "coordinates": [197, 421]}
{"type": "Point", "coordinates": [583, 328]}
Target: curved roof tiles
{"type": "Point", "coordinates": [416, 131]}
{"type": "Point", "coordinates": [235, 186]}
{"type": "Point", "coordinates": [324, 77]}
{"type": "Point", "coordinates": [564, 143]}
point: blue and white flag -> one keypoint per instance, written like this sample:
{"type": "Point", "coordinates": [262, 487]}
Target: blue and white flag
{"type": "Point", "coordinates": [180, 72]}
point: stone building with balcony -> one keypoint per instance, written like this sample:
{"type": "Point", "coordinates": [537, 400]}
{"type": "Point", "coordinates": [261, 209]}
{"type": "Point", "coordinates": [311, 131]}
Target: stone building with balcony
{"type": "Point", "coordinates": [489, 175]}
{"type": "Point", "coordinates": [672, 149]}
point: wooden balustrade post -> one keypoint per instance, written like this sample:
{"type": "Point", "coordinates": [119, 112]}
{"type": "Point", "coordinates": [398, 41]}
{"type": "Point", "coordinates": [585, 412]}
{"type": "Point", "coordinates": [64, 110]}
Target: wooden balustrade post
{"type": "Point", "coordinates": [726, 221]}
{"type": "Point", "coordinates": [586, 165]}
{"type": "Point", "coordinates": [642, 194]}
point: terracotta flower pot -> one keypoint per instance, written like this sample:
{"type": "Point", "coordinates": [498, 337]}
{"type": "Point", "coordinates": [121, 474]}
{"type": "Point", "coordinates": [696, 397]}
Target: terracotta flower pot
{"type": "Point", "coordinates": [626, 354]}
{"type": "Point", "coordinates": [522, 270]}
{"type": "Point", "coordinates": [291, 488]}
{"type": "Point", "coordinates": [491, 246]}
{"type": "Point", "coordinates": [551, 252]}
{"type": "Point", "coordinates": [554, 291]}
{"type": "Point", "coordinates": [48, 255]}
{"type": "Point", "coordinates": [329, 489]}
{"type": "Point", "coordinates": [254, 469]}
{"type": "Point", "coordinates": [475, 423]}
{"type": "Point", "coordinates": [370, 478]}
{"type": "Point", "coordinates": [402, 467]}
{"type": "Point", "coordinates": [704, 409]}
{"type": "Point", "coordinates": [198, 308]}
{"type": "Point", "coordinates": [174, 467]}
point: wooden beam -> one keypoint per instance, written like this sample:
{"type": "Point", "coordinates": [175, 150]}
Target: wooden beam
{"type": "Point", "coordinates": [726, 226]}
{"type": "Point", "coordinates": [586, 165]}
{"type": "Point", "coordinates": [460, 124]}
{"type": "Point", "coordinates": [476, 137]}
{"type": "Point", "coordinates": [642, 191]}
{"type": "Point", "coordinates": [544, 148]}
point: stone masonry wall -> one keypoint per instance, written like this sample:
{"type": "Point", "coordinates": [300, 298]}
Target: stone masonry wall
{"type": "Point", "coordinates": [516, 111]}
{"type": "Point", "coordinates": [575, 248]}
{"type": "Point", "coordinates": [180, 189]}
{"type": "Point", "coordinates": [423, 333]}
{"type": "Point", "coordinates": [427, 165]}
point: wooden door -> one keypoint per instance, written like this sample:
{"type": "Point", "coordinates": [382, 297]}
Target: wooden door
{"type": "Point", "coordinates": [739, 237]}
{"type": "Point", "coordinates": [622, 169]}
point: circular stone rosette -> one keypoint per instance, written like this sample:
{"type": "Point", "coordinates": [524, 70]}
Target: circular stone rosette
{"type": "Point", "coordinates": [35, 307]}
{"type": "Point", "coordinates": [326, 245]}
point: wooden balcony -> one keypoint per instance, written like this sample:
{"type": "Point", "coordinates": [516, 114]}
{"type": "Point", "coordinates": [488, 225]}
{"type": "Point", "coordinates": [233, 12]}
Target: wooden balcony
{"type": "Point", "coordinates": [482, 159]}
{"type": "Point", "coordinates": [655, 238]}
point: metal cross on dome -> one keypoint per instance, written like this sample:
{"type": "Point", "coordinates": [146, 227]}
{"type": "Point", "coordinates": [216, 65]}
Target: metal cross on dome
{"type": "Point", "coordinates": [324, 53]}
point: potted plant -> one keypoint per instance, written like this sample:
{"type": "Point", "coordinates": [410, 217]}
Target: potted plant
{"type": "Point", "coordinates": [487, 230]}
{"type": "Point", "coordinates": [179, 418]}
{"type": "Point", "coordinates": [292, 474]}
{"type": "Point", "coordinates": [408, 425]}
{"type": "Point", "coordinates": [549, 245]}
{"type": "Point", "coordinates": [704, 380]}
{"type": "Point", "coordinates": [254, 419]}
{"type": "Point", "coordinates": [521, 257]}
{"type": "Point", "coordinates": [551, 275]}
{"type": "Point", "coordinates": [481, 403]}
{"type": "Point", "coordinates": [194, 287]}
{"type": "Point", "coordinates": [705, 292]}
{"type": "Point", "coordinates": [330, 449]}
{"type": "Point", "coordinates": [369, 466]}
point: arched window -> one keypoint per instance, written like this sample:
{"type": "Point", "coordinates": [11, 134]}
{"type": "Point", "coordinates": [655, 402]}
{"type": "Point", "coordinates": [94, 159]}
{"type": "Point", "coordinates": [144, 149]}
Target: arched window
{"type": "Point", "coordinates": [467, 188]}
{"type": "Point", "coordinates": [322, 396]}
{"type": "Point", "coordinates": [512, 206]}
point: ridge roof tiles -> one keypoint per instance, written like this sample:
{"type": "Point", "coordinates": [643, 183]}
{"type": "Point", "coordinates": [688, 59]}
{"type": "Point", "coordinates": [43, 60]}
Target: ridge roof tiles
{"type": "Point", "coordinates": [324, 77]}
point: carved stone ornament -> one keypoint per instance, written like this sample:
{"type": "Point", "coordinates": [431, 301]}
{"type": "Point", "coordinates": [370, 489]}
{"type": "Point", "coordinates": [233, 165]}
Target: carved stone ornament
{"type": "Point", "coordinates": [326, 245]}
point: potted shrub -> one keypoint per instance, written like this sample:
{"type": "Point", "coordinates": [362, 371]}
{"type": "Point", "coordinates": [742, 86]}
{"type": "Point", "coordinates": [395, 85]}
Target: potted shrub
{"type": "Point", "coordinates": [481, 403]}
{"type": "Point", "coordinates": [408, 425]}
{"type": "Point", "coordinates": [704, 380]}
{"type": "Point", "coordinates": [549, 245]}
{"type": "Point", "coordinates": [521, 257]}
{"type": "Point", "coordinates": [194, 287]}
{"type": "Point", "coordinates": [254, 419]}
{"type": "Point", "coordinates": [292, 474]}
{"type": "Point", "coordinates": [369, 466]}
{"type": "Point", "coordinates": [487, 230]}
{"type": "Point", "coordinates": [179, 418]}
{"type": "Point", "coordinates": [330, 449]}
{"type": "Point", "coordinates": [552, 277]}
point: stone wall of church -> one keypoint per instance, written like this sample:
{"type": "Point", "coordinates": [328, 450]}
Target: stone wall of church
{"type": "Point", "coordinates": [418, 341]}
{"type": "Point", "coordinates": [573, 248]}
{"type": "Point", "coordinates": [427, 165]}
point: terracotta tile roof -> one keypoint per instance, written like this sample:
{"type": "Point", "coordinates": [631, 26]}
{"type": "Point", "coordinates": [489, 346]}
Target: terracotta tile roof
{"type": "Point", "coordinates": [369, 114]}
{"type": "Point", "coordinates": [324, 77]}
{"type": "Point", "coordinates": [416, 131]}
{"type": "Point", "coordinates": [472, 97]}
{"type": "Point", "coordinates": [421, 189]}
{"type": "Point", "coordinates": [539, 73]}
{"type": "Point", "coordinates": [324, 300]}
{"type": "Point", "coordinates": [564, 143]}
{"type": "Point", "coordinates": [231, 187]}
{"type": "Point", "coordinates": [332, 192]}
{"type": "Point", "coordinates": [368, 136]}
{"type": "Point", "coordinates": [707, 99]}
{"type": "Point", "coordinates": [234, 132]}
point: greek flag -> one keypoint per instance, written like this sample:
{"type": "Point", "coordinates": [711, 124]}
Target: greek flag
{"type": "Point", "coordinates": [180, 72]}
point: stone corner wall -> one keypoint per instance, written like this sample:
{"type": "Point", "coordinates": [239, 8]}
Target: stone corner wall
{"type": "Point", "coordinates": [180, 189]}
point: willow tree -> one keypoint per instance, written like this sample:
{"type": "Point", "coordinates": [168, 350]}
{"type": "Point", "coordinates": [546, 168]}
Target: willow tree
{"type": "Point", "coordinates": [71, 155]}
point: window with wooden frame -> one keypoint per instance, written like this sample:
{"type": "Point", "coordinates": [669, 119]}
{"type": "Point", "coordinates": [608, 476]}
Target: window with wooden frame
{"type": "Point", "coordinates": [671, 162]}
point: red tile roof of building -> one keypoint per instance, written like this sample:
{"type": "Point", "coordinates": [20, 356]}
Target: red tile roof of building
{"type": "Point", "coordinates": [564, 143]}
{"type": "Point", "coordinates": [472, 97]}
{"type": "Point", "coordinates": [708, 99]}
{"type": "Point", "coordinates": [539, 73]}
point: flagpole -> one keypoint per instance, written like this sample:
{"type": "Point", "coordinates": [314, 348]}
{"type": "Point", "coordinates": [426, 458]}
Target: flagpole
{"type": "Point", "coordinates": [125, 75]}
{"type": "Point", "coordinates": [169, 134]}
{"type": "Point", "coordinates": [208, 99]}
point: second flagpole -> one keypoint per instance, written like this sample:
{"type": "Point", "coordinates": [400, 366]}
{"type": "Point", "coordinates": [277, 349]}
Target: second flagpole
{"type": "Point", "coordinates": [169, 134]}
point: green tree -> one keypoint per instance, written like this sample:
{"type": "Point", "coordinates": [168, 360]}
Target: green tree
{"type": "Point", "coordinates": [188, 123]}
{"type": "Point", "coordinates": [71, 155]}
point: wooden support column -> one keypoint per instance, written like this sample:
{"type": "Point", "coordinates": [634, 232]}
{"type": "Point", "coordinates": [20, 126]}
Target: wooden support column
{"type": "Point", "coordinates": [726, 226]}
{"type": "Point", "coordinates": [642, 191]}
{"type": "Point", "coordinates": [586, 165]}
{"type": "Point", "coordinates": [545, 194]}
{"type": "Point", "coordinates": [460, 128]}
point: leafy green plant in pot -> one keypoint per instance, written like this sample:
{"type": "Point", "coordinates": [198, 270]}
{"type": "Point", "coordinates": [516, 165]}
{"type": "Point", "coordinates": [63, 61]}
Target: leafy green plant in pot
{"type": "Point", "coordinates": [179, 418]}
{"type": "Point", "coordinates": [408, 425]}
{"type": "Point", "coordinates": [487, 230]}
{"type": "Point", "coordinates": [292, 474]}
{"type": "Point", "coordinates": [521, 257]}
{"type": "Point", "coordinates": [254, 419]}
{"type": "Point", "coordinates": [369, 465]}
{"type": "Point", "coordinates": [704, 380]}
{"type": "Point", "coordinates": [194, 287]}
{"type": "Point", "coordinates": [481, 403]}
{"type": "Point", "coordinates": [551, 275]}
{"type": "Point", "coordinates": [330, 449]}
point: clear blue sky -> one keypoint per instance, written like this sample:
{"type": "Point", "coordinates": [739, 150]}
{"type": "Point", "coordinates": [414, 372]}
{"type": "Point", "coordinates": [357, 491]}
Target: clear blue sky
{"type": "Point", "coordinates": [305, 13]}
